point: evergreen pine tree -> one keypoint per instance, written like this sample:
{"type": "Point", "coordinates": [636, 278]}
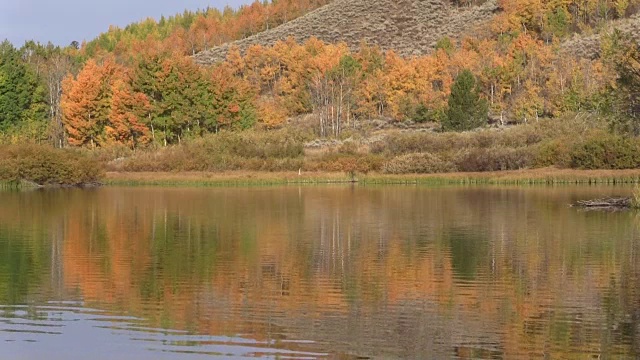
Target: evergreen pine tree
{"type": "Point", "coordinates": [466, 110]}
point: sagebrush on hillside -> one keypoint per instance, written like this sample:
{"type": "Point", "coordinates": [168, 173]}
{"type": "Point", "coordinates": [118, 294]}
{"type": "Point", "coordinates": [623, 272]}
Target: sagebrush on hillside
{"type": "Point", "coordinates": [409, 27]}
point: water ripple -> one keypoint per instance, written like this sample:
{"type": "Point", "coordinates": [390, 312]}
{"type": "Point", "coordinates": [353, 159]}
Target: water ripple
{"type": "Point", "coordinates": [121, 336]}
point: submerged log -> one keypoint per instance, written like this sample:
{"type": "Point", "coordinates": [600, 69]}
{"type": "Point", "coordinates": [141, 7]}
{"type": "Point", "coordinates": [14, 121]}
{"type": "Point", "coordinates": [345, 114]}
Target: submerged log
{"type": "Point", "coordinates": [605, 203]}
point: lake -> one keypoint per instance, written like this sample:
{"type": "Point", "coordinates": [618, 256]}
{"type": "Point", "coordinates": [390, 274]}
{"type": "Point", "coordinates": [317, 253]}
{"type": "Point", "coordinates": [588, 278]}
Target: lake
{"type": "Point", "coordinates": [340, 272]}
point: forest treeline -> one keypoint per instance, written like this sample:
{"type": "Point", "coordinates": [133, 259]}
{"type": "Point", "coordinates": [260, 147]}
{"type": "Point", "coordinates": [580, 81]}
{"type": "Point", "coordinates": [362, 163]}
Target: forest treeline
{"type": "Point", "coordinates": [138, 85]}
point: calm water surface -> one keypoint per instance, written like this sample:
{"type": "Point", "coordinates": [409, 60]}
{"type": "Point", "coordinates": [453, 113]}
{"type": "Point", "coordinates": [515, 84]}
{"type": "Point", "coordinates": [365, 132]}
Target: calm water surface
{"type": "Point", "coordinates": [318, 272]}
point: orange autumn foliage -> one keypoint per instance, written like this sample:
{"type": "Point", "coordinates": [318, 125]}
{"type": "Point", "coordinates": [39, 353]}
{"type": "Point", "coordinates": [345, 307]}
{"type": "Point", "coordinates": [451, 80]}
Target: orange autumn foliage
{"type": "Point", "coordinates": [128, 109]}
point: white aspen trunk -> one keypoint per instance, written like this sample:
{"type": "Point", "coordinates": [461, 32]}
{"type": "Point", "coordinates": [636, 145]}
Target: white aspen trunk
{"type": "Point", "coordinates": [341, 108]}
{"type": "Point", "coordinates": [492, 92]}
{"type": "Point", "coordinates": [333, 116]}
{"type": "Point", "coordinates": [153, 132]}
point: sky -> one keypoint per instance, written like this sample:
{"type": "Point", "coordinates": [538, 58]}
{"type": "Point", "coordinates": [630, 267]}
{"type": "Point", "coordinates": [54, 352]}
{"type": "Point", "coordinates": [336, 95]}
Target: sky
{"type": "Point", "coordinates": [63, 21]}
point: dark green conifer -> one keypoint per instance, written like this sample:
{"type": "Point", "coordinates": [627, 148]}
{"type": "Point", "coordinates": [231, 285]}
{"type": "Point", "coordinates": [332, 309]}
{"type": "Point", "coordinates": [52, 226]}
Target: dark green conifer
{"type": "Point", "coordinates": [466, 110]}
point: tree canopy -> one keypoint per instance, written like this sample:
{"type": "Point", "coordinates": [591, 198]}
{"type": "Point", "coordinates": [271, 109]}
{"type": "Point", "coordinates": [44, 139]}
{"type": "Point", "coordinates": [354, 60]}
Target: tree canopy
{"type": "Point", "coordinates": [466, 109]}
{"type": "Point", "coordinates": [138, 85]}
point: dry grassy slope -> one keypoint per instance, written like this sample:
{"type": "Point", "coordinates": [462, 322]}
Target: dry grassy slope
{"type": "Point", "coordinates": [589, 46]}
{"type": "Point", "coordinates": [410, 27]}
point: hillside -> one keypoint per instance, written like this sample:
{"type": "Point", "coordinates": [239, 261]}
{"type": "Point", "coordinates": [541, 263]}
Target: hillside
{"type": "Point", "coordinates": [193, 31]}
{"type": "Point", "coordinates": [501, 68]}
{"type": "Point", "coordinates": [410, 27]}
{"type": "Point", "coordinates": [588, 46]}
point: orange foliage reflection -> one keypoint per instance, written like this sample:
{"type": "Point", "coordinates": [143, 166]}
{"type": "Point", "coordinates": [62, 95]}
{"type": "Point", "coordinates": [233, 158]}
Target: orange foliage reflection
{"type": "Point", "coordinates": [396, 271]}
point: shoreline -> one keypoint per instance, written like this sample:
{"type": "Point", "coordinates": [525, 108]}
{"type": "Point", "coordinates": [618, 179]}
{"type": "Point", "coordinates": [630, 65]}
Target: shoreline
{"type": "Point", "coordinates": [544, 176]}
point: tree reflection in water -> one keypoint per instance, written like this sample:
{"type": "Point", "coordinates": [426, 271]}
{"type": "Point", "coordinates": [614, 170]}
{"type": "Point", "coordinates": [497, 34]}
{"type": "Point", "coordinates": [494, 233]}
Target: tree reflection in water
{"type": "Point", "coordinates": [383, 271]}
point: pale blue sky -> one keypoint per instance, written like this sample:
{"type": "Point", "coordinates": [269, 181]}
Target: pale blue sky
{"type": "Point", "coordinates": [63, 21]}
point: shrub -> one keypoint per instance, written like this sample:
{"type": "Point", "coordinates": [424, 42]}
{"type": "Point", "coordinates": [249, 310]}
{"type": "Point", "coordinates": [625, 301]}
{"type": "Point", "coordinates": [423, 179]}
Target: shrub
{"type": "Point", "coordinates": [401, 143]}
{"type": "Point", "coordinates": [9, 169]}
{"type": "Point", "coordinates": [606, 152]}
{"type": "Point", "coordinates": [349, 163]}
{"type": "Point", "coordinates": [553, 153]}
{"type": "Point", "coordinates": [267, 151]}
{"type": "Point", "coordinates": [45, 165]}
{"type": "Point", "coordinates": [423, 114]}
{"type": "Point", "coordinates": [398, 144]}
{"type": "Point", "coordinates": [411, 109]}
{"type": "Point", "coordinates": [378, 147]}
{"type": "Point", "coordinates": [445, 44]}
{"type": "Point", "coordinates": [111, 152]}
{"type": "Point", "coordinates": [418, 163]}
{"type": "Point", "coordinates": [494, 159]}
{"type": "Point", "coordinates": [269, 144]}
{"type": "Point", "coordinates": [348, 147]}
